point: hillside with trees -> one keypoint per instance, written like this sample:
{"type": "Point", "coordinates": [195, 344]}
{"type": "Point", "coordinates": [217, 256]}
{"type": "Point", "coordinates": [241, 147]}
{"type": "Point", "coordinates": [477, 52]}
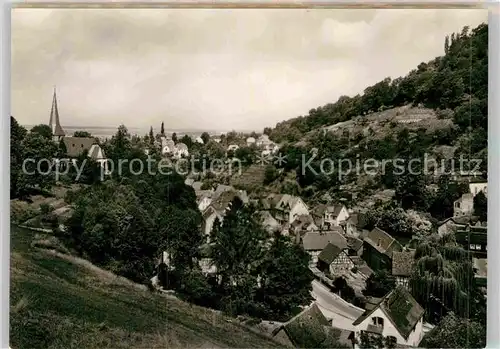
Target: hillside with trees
{"type": "Point", "coordinates": [447, 100]}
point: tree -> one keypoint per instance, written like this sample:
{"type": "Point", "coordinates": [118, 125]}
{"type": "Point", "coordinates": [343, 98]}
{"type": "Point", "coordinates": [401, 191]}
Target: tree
{"type": "Point", "coordinates": [119, 146]}
{"type": "Point", "coordinates": [411, 191]}
{"type": "Point", "coordinates": [285, 279]}
{"type": "Point", "coordinates": [448, 191]}
{"type": "Point", "coordinates": [443, 279]}
{"type": "Point", "coordinates": [205, 137]}
{"type": "Point", "coordinates": [270, 174]}
{"type": "Point", "coordinates": [481, 206]}
{"type": "Point", "coordinates": [379, 284]}
{"type": "Point", "coordinates": [245, 155]}
{"type": "Point", "coordinates": [237, 246]}
{"type": "Point", "coordinates": [456, 332]}
{"type": "Point", "coordinates": [186, 140]}
{"type": "Point", "coordinates": [82, 134]}
{"type": "Point", "coordinates": [17, 135]}
{"type": "Point", "coordinates": [162, 129]}
{"type": "Point", "coordinates": [151, 136]}
{"type": "Point", "coordinates": [42, 130]}
{"type": "Point", "coordinates": [174, 137]}
{"type": "Point", "coordinates": [38, 152]}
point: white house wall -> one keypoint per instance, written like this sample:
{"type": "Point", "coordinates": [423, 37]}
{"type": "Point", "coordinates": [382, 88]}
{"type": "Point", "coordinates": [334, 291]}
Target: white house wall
{"type": "Point", "coordinates": [297, 210]}
{"type": "Point", "coordinates": [389, 329]}
{"type": "Point", "coordinates": [475, 188]}
{"type": "Point", "coordinates": [343, 216]}
{"type": "Point", "coordinates": [204, 203]}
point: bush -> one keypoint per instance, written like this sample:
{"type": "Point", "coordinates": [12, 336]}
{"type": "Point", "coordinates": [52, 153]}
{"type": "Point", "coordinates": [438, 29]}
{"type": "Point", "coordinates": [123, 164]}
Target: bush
{"type": "Point", "coordinates": [45, 208]}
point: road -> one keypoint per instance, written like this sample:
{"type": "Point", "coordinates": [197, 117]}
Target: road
{"type": "Point", "coordinates": [334, 307]}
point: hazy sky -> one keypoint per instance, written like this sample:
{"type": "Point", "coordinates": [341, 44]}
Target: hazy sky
{"type": "Point", "coordinates": [211, 69]}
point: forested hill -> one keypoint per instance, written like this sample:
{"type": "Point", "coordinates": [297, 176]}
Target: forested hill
{"type": "Point", "coordinates": [456, 83]}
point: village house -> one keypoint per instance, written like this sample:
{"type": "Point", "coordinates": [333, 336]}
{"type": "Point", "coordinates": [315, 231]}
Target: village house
{"type": "Point", "coordinates": [181, 151]}
{"type": "Point", "coordinates": [464, 206]}
{"type": "Point", "coordinates": [474, 239]}
{"type": "Point", "coordinates": [268, 222]}
{"type": "Point", "coordinates": [315, 242]}
{"type": "Point", "coordinates": [327, 216]}
{"type": "Point", "coordinates": [302, 224]}
{"type": "Point", "coordinates": [205, 262]}
{"type": "Point", "coordinates": [285, 208]}
{"type": "Point", "coordinates": [334, 261]}
{"type": "Point", "coordinates": [397, 318]}
{"type": "Point", "coordinates": [378, 249]}
{"type": "Point", "coordinates": [221, 202]}
{"type": "Point", "coordinates": [250, 141]}
{"type": "Point", "coordinates": [311, 329]}
{"type": "Point", "coordinates": [402, 267]}
{"type": "Point", "coordinates": [452, 224]}
{"type": "Point", "coordinates": [232, 147]}
{"type": "Point", "coordinates": [263, 141]}
{"type": "Point", "coordinates": [203, 199]}
{"type": "Point", "coordinates": [476, 188]}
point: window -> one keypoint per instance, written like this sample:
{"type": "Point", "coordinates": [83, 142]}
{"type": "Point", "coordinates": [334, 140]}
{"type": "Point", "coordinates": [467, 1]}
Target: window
{"type": "Point", "coordinates": [472, 247]}
{"type": "Point", "coordinates": [378, 321]}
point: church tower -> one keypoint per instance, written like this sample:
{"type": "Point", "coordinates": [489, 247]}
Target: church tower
{"type": "Point", "coordinates": [55, 126]}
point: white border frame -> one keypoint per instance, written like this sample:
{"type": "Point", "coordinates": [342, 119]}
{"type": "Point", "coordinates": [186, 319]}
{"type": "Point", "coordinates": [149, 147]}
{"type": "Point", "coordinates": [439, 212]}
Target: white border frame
{"type": "Point", "coordinates": [493, 336]}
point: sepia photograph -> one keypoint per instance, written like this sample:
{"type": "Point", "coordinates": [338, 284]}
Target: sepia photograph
{"type": "Point", "coordinates": [248, 178]}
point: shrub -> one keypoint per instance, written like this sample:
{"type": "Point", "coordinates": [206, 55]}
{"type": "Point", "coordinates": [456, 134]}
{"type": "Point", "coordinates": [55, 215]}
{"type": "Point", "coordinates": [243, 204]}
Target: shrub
{"type": "Point", "coordinates": [45, 208]}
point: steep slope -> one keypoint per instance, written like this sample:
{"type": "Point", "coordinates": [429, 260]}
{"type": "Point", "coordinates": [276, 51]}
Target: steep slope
{"type": "Point", "coordinates": [436, 114]}
{"type": "Point", "coordinates": [60, 301]}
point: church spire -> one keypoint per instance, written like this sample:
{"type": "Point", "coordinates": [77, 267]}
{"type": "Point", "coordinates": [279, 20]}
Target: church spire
{"type": "Point", "coordinates": [54, 123]}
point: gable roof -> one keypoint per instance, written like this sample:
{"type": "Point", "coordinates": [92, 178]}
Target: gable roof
{"type": "Point", "coordinates": [354, 243]}
{"type": "Point", "coordinates": [94, 152]}
{"type": "Point", "coordinates": [75, 146]}
{"type": "Point", "coordinates": [316, 241]}
{"type": "Point", "coordinates": [308, 329]}
{"type": "Point", "coordinates": [382, 242]}
{"type": "Point", "coordinates": [402, 263]}
{"type": "Point", "coordinates": [401, 309]}
{"type": "Point", "coordinates": [302, 221]}
{"type": "Point", "coordinates": [460, 220]}
{"type": "Point", "coordinates": [321, 209]}
{"type": "Point", "coordinates": [267, 220]}
{"type": "Point", "coordinates": [329, 254]}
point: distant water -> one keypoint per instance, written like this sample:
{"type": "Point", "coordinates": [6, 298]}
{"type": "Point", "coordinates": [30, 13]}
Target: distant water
{"type": "Point", "coordinates": [108, 132]}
